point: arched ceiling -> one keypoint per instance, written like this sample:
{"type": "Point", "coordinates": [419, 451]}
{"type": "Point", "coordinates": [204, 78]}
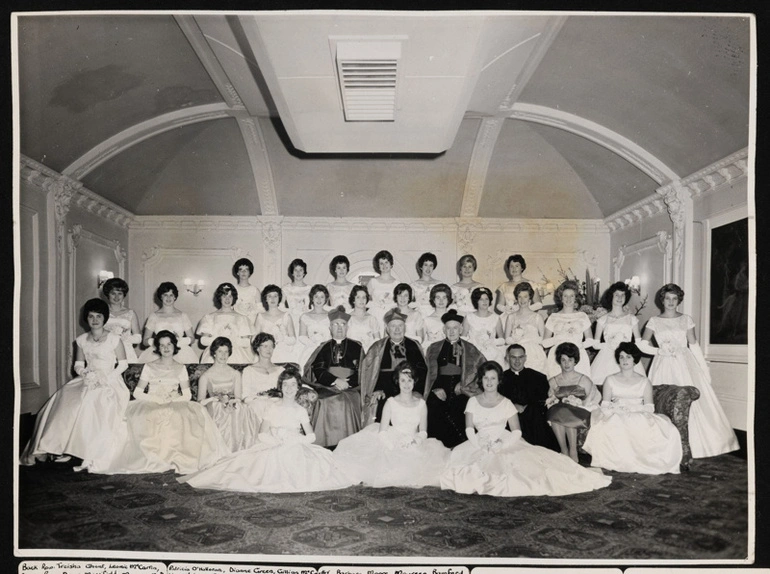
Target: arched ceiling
{"type": "Point", "coordinates": [552, 116]}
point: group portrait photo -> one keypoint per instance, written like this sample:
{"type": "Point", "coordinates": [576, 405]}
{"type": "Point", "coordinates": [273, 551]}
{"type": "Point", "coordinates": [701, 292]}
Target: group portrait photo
{"type": "Point", "coordinates": [469, 287]}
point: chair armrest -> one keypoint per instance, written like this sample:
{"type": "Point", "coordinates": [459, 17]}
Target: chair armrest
{"type": "Point", "coordinates": [674, 402]}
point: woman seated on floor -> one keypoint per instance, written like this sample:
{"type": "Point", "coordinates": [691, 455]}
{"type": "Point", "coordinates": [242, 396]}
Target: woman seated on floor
{"type": "Point", "coordinates": [571, 399]}
{"type": "Point", "coordinates": [395, 451]}
{"type": "Point", "coordinates": [626, 435]}
{"type": "Point", "coordinates": [499, 462]}
{"type": "Point", "coordinates": [221, 391]}
{"type": "Point", "coordinates": [166, 429]}
{"type": "Point", "coordinates": [83, 418]}
{"type": "Point", "coordinates": [285, 458]}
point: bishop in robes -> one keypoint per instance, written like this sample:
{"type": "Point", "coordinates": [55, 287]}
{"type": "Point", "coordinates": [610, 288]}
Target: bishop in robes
{"type": "Point", "coordinates": [377, 384]}
{"type": "Point", "coordinates": [332, 370]}
{"type": "Point", "coordinates": [528, 389]}
{"type": "Point", "coordinates": [452, 371]}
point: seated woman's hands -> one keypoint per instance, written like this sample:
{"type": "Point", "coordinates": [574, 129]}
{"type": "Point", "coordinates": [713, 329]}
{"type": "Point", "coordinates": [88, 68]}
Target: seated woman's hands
{"type": "Point", "coordinates": [572, 401]}
{"type": "Point", "coordinates": [551, 401]}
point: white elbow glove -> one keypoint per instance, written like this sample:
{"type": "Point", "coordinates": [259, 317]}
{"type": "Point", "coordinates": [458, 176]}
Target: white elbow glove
{"type": "Point", "coordinates": [140, 395]}
{"type": "Point", "coordinates": [646, 348]}
{"type": "Point", "coordinates": [290, 340]}
{"type": "Point", "coordinates": [588, 343]}
{"type": "Point", "coordinates": [185, 396]}
{"type": "Point", "coordinates": [184, 341]}
{"type": "Point", "coordinates": [80, 367]}
{"type": "Point", "coordinates": [122, 366]}
{"type": "Point", "coordinates": [536, 306]}
{"type": "Point", "coordinates": [307, 439]}
{"type": "Point", "coordinates": [206, 340]}
{"type": "Point", "coordinates": [243, 342]}
{"type": "Point", "coordinates": [473, 438]}
{"type": "Point", "coordinates": [305, 340]}
{"type": "Point", "coordinates": [598, 345]}
{"type": "Point", "coordinates": [549, 342]}
{"type": "Point", "coordinates": [134, 339]}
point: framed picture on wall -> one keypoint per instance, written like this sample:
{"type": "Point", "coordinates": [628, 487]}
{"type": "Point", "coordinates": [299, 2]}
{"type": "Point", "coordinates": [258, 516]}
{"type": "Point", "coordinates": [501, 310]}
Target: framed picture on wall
{"type": "Point", "coordinates": [726, 286]}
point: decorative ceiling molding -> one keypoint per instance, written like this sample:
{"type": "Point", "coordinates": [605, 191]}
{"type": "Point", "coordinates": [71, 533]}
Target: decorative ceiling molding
{"type": "Point", "coordinates": [209, 60]}
{"type": "Point", "coordinates": [120, 142]}
{"type": "Point", "coordinates": [486, 138]}
{"type": "Point", "coordinates": [648, 207]}
{"type": "Point", "coordinates": [501, 225]}
{"type": "Point", "coordinates": [69, 192]}
{"type": "Point", "coordinates": [259, 159]}
{"type": "Point", "coordinates": [605, 137]}
{"type": "Point", "coordinates": [547, 37]}
{"type": "Point", "coordinates": [195, 223]}
{"type": "Point", "coordinates": [718, 173]}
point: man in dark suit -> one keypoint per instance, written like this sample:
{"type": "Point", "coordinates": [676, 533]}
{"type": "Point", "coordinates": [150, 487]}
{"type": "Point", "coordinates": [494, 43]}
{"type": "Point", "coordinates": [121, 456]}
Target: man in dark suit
{"type": "Point", "coordinates": [376, 374]}
{"type": "Point", "coordinates": [333, 372]}
{"type": "Point", "coordinates": [528, 389]}
{"type": "Point", "coordinates": [452, 370]}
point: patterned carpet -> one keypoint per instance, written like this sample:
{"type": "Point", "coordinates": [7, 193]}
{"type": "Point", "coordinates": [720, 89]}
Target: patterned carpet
{"type": "Point", "coordinates": [698, 515]}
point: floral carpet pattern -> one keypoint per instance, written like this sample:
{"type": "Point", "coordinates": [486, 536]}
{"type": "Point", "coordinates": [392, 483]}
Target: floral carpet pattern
{"type": "Point", "coordinates": [702, 514]}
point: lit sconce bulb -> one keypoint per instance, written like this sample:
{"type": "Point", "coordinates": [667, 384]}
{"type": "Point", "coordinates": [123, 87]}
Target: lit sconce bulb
{"type": "Point", "coordinates": [194, 286]}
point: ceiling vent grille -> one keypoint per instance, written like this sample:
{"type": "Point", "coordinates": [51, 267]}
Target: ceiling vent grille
{"type": "Point", "coordinates": [368, 76]}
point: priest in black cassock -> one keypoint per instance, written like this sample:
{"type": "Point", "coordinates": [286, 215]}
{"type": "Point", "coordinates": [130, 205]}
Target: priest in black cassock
{"type": "Point", "coordinates": [383, 357]}
{"type": "Point", "coordinates": [332, 370]}
{"type": "Point", "coordinates": [452, 373]}
{"type": "Point", "coordinates": [528, 389]}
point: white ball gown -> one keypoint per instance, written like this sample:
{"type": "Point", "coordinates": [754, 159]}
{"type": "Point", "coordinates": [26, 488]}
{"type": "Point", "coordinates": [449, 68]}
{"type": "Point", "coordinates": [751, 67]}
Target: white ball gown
{"type": "Point", "coordinates": [84, 418]}
{"type": "Point", "coordinates": [179, 324]}
{"type": "Point", "coordinates": [366, 330]}
{"type": "Point", "coordinates": [237, 423]}
{"type": "Point", "coordinates": [482, 333]}
{"type": "Point", "coordinates": [414, 324]}
{"type": "Point", "coordinates": [339, 295]}
{"type": "Point", "coordinates": [287, 349]}
{"type": "Point", "coordinates": [422, 297]}
{"type": "Point", "coordinates": [297, 301]}
{"type": "Point", "coordinates": [232, 325]}
{"type": "Point", "coordinates": [709, 429]}
{"type": "Point", "coordinates": [256, 386]}
{"type": "Point", "coordinates": [317, 325]}
{"type": "Point", "coordinates": [568, 328]}
{"type": "Point", "coordinates": [119, 325]}
{"type": "Point", "coordinates": [396, 456]}
{"type": "Point", "coordinates": [461, 298]}
{"type": "Point", "coordinates": [617, 330]}
{"type": "Point", "coordinates": [434, 331]}
{"type": "Point", "coordinates": [381, 294]}
{"type": "Point", "coordinates": [527, 333]}
{"type": "Point", "coordinates": [512, 466]}
{"type": "Point", "coordinates": [165, 433]}
{"type": "Point", "coordinates": [284, 463]}
{"type": "Point", "coordinates": [249, 302]}
{"type": "Point", "coordinates": [626, 436]}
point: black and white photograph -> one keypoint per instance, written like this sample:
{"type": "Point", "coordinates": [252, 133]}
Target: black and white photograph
{"type": "Point", "coordinates": [385, 287]}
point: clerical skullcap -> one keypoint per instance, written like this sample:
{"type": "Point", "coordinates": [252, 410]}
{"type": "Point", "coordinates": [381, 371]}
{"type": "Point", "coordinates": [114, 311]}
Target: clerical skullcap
{"type": "Point", "coordinates": [394, 315]}
{"type": "Point", "coordinates": [452, 315]}
{"type": "Point", "coordinates": [338, 313]}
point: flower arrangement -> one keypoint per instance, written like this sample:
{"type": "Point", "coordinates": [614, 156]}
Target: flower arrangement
{"type": "Point", "coordinates": [590, 290]}
{"type": "Point", "coordinates": [634, 285]}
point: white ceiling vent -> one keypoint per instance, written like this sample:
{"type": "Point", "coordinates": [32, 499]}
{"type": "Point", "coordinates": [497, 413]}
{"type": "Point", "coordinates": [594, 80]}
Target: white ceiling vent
{"type": "Point", "coordinates": [368, 73]}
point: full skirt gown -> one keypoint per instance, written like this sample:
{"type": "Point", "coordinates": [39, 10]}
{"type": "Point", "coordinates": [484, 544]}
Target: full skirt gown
{"type": "Point", "coordinates": [120, 324]}
{"type": "Point", "coordinates": [709, 429]}
{"type": "Point", "coordinates": [167, 434]}
{"type": "Point", "coordinates": [567, 328]}
{"type": "Point", "coordinates": [626, 437]}
{"type": "Point", "coordinates": [179, 324]}
{"type": "Point", "coordinates": [84, 418]}
{"type": "Point", "coordinates": [237, 422]}
{"type": "Point", "coordinates": [527, 333]}
{"type": "Point", "coordinates": [615, 330]}
{"type": "Point", "coordinates": [503, 464]}
{"type": "Point", "coordinates": [281, 462]}
{"type": "Point", "coordinates": [395, 457]}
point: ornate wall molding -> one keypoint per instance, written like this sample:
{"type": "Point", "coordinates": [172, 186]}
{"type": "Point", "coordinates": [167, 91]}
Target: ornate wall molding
{"type": "Point", "coordinates": [486, 138]}
{"type": "Point", "coordinates": [708, 179]}
{"type": "Point", "coordinates": [195, 223]}
{"type": "Point", "coordinates": [599, 134]}
{"type": "Point", "coordinates": [68, 192]}
{"type": "Point", "coordinates": [648, 207]}
{"type": "Point", "coordinates": [370, 224]}
{"type": "Point", "coordinates": [660, 241]}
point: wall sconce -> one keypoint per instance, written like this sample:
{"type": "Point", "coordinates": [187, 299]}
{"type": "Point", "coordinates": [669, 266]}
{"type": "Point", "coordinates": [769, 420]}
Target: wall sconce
{"type": "Point", "coordinates": [102, 277]}
{"type": "Point", "coordinates": [194, 286]}
{"type": "Point", "coordinates": [634, 284]}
